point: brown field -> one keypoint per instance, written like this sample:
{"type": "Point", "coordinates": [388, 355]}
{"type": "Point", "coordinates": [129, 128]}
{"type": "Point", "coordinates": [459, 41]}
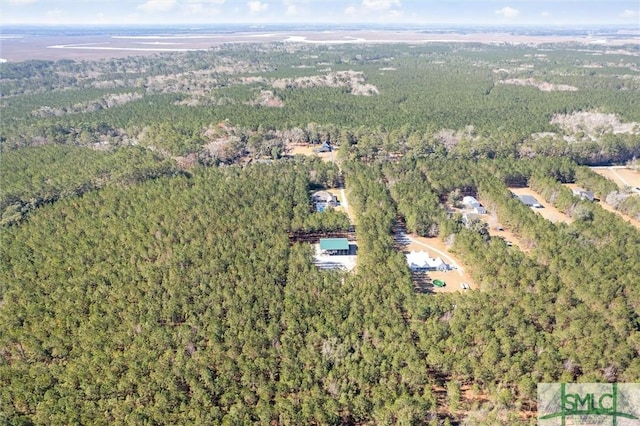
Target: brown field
{"type": "Point", "coordinates": [548, 211]}
{"type": "Point", "coordinates": [93, 47]}
{"type": "Point", "coordinates": [630, 176]}
{"type": "Point", "coordinates": [308, 150]}
{"type": "Point", "coordinates": [623, 177]}
{"type": "Point", "coordinates": [453, 278]}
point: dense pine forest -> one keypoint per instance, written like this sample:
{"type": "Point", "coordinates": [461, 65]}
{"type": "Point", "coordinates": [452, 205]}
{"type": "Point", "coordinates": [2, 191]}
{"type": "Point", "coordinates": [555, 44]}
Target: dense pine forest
{"type": "Point", "coordinates": [148, 273]}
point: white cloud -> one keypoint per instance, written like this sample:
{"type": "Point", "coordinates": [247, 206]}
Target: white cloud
{"type": "Point", "coordinates": [508, 12]}
{"type": "Point", "coordinates": [21, 2]}
{"type": "Point", "coordinates": [257, 6]}
{"type": "Point", "coordinates": [54, 15]}
{"type": "Point", "coordinates": [629, 14]}
{"type": "Point", "coordinates": [376, 8]}
{"type": "Point", "coordinates": [157, 5]}
{"type": "Point", "coordinates": [191, 8]}
{"type": "Point", "coordinates": [395, 14]}
{"type": "Point", "coordinates": [295, 7]}
{"type": "Point", "coordinates": [545, 14]}
{"type": "Point", "coordinates": [201, 8]}
{"type": "Point", "coordinates": [380, 4]}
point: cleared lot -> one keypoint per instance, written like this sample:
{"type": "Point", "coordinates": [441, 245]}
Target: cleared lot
{"type": "Point", "coordinates": [622, 176]}
{"type": "Point", "coordinates": [497, 230]}
{"type": "Point", "coordinates": [309, 151]}
{"type": "Point", "coordinates": [435, 247]}
{"type": "Point", "coordinates": [548, 211]}
{"type": "Point", "coordinates": [346, 263]}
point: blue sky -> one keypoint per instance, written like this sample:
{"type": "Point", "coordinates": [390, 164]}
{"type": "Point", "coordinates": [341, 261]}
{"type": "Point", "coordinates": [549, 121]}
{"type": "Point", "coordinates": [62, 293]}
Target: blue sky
{"type": "Point", "coordinates": [480, 12]}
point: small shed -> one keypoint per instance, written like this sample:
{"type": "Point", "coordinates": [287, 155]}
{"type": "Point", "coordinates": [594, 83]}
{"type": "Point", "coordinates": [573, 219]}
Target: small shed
{"type": "Point", "coordinates": [530, 201]}
{"type": "Point", "coordinates": [584, 194]}
{"type": "Point", "coordinates": [334, 246]}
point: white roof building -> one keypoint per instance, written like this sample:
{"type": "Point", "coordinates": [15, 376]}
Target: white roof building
{"type": "Point", "coordinates": [474, 205]}
{"type": "Point", "coordinates": [420, 261]}
{"type": "Point", "coordinates": [470, 201]}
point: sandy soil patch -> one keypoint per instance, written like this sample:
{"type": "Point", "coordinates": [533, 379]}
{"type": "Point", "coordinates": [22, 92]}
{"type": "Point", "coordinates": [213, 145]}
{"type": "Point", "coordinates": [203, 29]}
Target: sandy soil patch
{"type": "Point", "coordinates": [608, 173]}
{"type": "Point", "coordinates": [548, 211]}
{"type": "Point", "coordinates": [492, 220]}
{"type": "Point", "coordinates": [437, 248]}
{"type": "Point", "coordinates": [622, 176]}
{"type": "Point", "coordinates": [632, 177]}
{"type": "Point", "coordinates": [309, 151]}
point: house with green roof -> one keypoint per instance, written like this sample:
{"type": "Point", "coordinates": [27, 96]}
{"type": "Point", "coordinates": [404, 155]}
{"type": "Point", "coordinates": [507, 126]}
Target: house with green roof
{"type": "Point", "coordinates": [334, 246]}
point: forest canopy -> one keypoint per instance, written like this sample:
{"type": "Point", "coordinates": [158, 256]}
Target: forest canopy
{"type": "Point", "coordinates": [150, 265]}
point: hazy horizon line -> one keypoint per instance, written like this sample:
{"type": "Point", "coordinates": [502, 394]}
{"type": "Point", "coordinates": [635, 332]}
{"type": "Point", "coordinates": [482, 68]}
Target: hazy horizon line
{"type": "Point", "coordinates": [326, 24]}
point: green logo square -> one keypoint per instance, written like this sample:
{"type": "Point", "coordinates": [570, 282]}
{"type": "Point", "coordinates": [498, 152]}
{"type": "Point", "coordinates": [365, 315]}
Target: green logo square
{"type": "Point", "coordinates": [565, 404]}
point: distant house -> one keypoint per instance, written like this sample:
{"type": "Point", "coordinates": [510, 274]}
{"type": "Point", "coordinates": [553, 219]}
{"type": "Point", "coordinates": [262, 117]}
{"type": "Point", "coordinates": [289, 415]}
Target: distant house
{"type": "Point", "coordinates": [420, 261]}
{"type": "Point", "coordinates": [325, 147]}
{"type": "Point", "coordinates": [334, 246]}
{"type": "Point", "coordinates": [324, 199]}
{"type": "Point", "coordinates": [530, 201]}
{"type": "Point", "coordinates": [584, 194]}
{"type": "Point", "coordinates": [471, 203]}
